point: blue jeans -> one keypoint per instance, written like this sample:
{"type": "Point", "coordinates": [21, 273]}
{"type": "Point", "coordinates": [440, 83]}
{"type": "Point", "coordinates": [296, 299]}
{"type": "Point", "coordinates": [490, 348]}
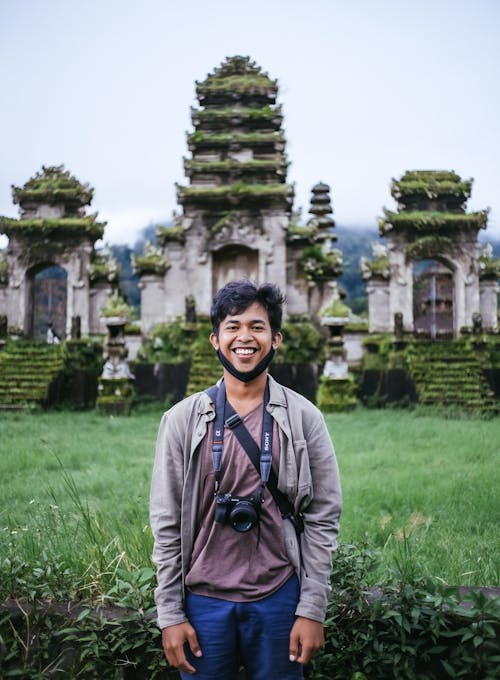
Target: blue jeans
{"type": "Point", "coordinates": [255, 635]}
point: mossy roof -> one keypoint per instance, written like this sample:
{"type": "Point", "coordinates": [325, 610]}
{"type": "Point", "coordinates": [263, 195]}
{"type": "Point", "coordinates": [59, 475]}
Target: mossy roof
{"type": "Point", "coordinates": [432, 221]}
{"type": "Point", "coordinates": [236, 74]}
{"type": "Point", "coordinates": [431, 184]}
{"type": "Point", "coordinates": [209, 139]}
{"type": "Point", "coordinates": [84, 226]}
{"type": "Point", "coordinates": [233, 164]}
{"type": "Point", "coordinates": [244, 113]}
{"type": "Point", "coordinates": [53, 184]}
{"type": "Point", "coordinates": [235, 194]}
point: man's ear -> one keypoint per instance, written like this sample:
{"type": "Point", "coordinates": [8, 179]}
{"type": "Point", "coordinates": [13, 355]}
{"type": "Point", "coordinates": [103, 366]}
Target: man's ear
{"type": "Point", "coordinates": [277, 340]}
{"type": "Point", "coordinates": [214, 341]}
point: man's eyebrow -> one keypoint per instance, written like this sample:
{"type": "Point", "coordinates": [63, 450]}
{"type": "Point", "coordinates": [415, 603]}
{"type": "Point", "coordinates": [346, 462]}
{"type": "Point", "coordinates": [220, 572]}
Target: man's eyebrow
{"type": "Point", "coordinates": [238, 321]}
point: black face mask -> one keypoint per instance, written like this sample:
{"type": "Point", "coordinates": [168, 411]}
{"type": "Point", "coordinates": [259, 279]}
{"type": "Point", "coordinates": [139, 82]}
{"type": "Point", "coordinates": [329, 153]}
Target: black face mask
{"type": "Point", "coordinates": [246, 376]}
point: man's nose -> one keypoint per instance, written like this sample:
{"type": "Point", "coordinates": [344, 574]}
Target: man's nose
{"type": "Point", "coordinates": [245, 335]}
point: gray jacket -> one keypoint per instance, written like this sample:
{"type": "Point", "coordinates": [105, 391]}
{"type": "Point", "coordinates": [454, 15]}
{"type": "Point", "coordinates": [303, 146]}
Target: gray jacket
{"type": "Point", "coordinates": [308, 475]}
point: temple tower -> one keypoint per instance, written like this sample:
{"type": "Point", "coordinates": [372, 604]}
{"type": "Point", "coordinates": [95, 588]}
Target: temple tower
{"type": "Point", "coordinates": [312, 264]}
{"type": "Point", "coordinates": [54, 232]}
{"type": "Point", "coordinates": [236, 208]}
{"type": "Point", "coordinates": [433, 271]}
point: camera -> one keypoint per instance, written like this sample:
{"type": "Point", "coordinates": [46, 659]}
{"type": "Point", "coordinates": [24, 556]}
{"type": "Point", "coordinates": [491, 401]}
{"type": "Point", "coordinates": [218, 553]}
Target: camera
{"type": "Point", "coordinates": [241, 513]}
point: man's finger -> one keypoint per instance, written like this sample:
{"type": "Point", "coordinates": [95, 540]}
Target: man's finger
{"type": "Point", "coordinates": [194, 645]}
{"type": "Point", "coordinates": [294, 646]}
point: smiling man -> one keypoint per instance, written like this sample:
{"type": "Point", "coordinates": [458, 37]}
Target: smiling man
{"type": "Point", "coordinates": [245, 506]}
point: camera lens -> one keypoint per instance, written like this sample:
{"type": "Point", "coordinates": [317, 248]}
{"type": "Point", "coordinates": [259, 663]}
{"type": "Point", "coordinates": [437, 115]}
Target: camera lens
{"type": "Point", "coordinates": [243, 517]}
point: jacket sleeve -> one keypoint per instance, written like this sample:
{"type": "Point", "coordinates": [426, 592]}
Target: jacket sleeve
{"type": "Point", "coordinates": [165, 516]}
{"type": "Point", "coordinates": [321, 508]}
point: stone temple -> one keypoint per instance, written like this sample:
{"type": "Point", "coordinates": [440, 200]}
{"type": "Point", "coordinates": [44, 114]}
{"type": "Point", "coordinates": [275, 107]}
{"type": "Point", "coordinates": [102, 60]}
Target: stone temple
{"type": "Point", "coordinates": [236, 216]}
{"type": "Point", "coordinates": [51, 272]}
{"type": "Point", "coordinates": [429, 279]}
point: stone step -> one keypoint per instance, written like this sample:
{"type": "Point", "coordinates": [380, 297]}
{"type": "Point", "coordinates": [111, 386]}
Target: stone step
{"type": "Point", "coordinates": [450, 374]}
{"type": "Point", "coordinates": [26, 372]}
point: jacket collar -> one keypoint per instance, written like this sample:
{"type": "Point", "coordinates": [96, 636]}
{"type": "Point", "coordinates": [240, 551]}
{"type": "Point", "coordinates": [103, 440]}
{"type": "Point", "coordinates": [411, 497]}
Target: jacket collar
{"type": "Point", "coordinates": [276, 397]}
{"type": "Point", "coordinates": [276, 393]}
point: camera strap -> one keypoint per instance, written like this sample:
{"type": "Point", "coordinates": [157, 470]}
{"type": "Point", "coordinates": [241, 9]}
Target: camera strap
{"type": "Point", "coordinates": [261, 459]}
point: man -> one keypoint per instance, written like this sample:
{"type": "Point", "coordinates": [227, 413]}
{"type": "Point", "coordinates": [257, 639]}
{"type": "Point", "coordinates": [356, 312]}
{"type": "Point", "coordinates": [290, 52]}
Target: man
{"type": "Point", "coordinates": [243, 568]}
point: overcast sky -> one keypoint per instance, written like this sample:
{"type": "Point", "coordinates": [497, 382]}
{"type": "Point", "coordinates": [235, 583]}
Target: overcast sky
{"type": "Point", "coordinates": [369, 89]}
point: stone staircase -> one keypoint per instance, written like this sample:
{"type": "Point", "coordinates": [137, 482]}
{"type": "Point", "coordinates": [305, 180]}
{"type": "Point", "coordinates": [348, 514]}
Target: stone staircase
{"type": "Point", "coordinates": [448, 373]}
{"type": "Point", "coordinates": [27, 371]}
{"type": "Point", "coordinates": [205, 369]}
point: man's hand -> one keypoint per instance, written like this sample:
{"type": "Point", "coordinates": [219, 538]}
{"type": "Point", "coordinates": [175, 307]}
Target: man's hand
{"type": "Point", "coordinates": [173, 639]}
{"type": "Point", "coordinates": [306, 637]}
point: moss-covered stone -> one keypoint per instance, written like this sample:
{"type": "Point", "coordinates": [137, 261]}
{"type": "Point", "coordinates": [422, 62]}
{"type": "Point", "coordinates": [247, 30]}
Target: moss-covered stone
{"type": "Point", "coordinates": [451, 374]}
{"type": "Point", "coordinates": [235, 194]}
{"type": "Point", "coordinates": [218, 139]}
{"type": "Point", "coordinates": [302, 344]}
{"type": "Point", "coordinates": [104, 267]}
{"type": "Point", "coordinates": [243, 114]}
{"type": "Point", "coordinates": [431, 184]}
{"type": "Point", "coordinates": [318, 264]}
{"type": "Point", "coordinates": [236, 75]}
{"type": "Point", "coordinates": [378, 268]}
{"type": "Point", "coordinates": [170, 234]}
{"type": "Point", "coordinates": [432, 221]}
{"type": "Point", "coordinates": [115, 396]}
{"type": "Point", "coordinates": [117, 307]}
{"type": "Point", "coordinates": [336, 396]}
{"type": "Point", "coordinates": [429, 247]}
{"type": "Point", "coordinates": [152, 261]}
{"type": "Point", "coordinates": [4, 269]}
{"type": "Point", "coordinates": [167, 343]}
{"type": "Point", "coordinates": [53, 184]}
{"type": "Point", "coordinates": [86, 226]}
{"type": "Point", "coordinates": [27, 372]}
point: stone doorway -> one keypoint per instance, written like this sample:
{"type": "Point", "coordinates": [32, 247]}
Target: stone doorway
{"type": "Point", "coordinates": [47, 294]}
{"type": "Point", "coordinates": [433, 296]}
{"type": "Point", "coordinates": [234, 262]}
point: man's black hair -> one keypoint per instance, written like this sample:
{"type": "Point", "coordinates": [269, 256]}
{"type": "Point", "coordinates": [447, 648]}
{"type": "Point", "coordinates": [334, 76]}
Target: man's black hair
{"type": "Point", "coordinates": [236, 296]}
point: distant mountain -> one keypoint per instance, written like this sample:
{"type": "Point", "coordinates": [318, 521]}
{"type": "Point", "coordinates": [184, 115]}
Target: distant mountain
{"type": "Point", "coordinates": [129, 282]}
{"type": "Point", "coordinates": [355, 242]}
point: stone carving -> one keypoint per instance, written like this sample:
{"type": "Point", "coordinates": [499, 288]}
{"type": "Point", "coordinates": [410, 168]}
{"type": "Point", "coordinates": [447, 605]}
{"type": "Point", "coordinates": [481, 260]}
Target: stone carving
{"type": "Point", "coordinates": [3, 325]}
{"type": "Point", "coordinates": [76, 327]}
{"type": "Point", "coordinates": [398, 326]}
{"type": "Point", "coordinates": [477, 323]}
{"type": "Point", "coordinates": [190, 309]}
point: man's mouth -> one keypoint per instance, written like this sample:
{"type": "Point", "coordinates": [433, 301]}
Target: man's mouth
{"type": "Point", "coordinates": [244, 351]}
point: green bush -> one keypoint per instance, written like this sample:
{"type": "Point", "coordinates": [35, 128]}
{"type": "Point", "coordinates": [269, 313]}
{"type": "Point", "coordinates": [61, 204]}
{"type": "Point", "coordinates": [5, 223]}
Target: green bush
{"type": "Point", "coordinates": [302, 344]}
{"type": "Point", "coordinates": [408, 628]}
{"type": "Point", "coordinates": [168, 343]}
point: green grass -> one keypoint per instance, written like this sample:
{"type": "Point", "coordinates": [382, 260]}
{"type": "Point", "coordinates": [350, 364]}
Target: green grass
{"type": "Point", "coordinates": [75, 486]}
{"type": "Point", "coordinates": [424, 490]}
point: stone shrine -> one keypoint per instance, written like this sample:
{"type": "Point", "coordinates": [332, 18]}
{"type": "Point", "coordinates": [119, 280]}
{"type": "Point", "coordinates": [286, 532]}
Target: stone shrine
{"type": "Point", "coordinates": [51, 272]}
{"type": "Point", "coordinates": [433, 275]}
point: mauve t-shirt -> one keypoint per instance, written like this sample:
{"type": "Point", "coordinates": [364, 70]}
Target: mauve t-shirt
{"type": "Point", "coordinates": [225, 563]}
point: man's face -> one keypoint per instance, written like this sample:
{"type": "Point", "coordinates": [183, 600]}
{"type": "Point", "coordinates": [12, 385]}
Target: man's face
{"type": "Point", "coordinates": [246, 338]}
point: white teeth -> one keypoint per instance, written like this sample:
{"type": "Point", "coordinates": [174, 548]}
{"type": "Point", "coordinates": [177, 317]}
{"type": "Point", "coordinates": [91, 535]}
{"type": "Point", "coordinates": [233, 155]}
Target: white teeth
{"type": "Point", "coordinates": [241, 350]}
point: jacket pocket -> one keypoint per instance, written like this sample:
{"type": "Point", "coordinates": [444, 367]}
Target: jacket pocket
{"type": "Point", "coordinates": [292, 545]}
{"type": "Point", "coordinates": [304, 479]}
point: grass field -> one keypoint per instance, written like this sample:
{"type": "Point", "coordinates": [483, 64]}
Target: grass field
{"type": "Point", "coordinates": [421, 489]}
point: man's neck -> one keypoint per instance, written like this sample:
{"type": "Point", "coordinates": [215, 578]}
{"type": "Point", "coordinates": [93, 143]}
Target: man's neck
{"type": "Point", "coordinates": [244, 397]}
